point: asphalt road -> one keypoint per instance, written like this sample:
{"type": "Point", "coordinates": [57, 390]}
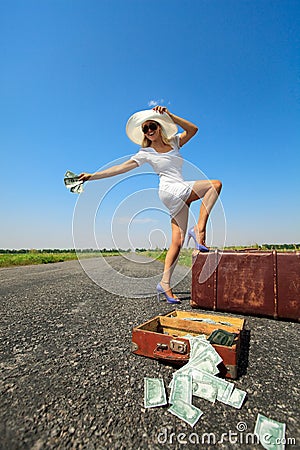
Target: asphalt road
{"type": "Point", "coordinates": [70, 381]}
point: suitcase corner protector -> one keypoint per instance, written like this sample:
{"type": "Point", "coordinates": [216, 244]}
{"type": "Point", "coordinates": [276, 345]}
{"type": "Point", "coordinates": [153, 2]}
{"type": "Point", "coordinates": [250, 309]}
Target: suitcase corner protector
{"type": "Point", "coordinates": [231, 371]}
{"type": "Point", "coordinates": [134, 347]}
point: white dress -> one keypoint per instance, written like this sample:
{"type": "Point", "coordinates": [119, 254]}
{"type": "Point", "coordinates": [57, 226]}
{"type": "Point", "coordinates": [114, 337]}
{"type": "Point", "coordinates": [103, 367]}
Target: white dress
{"type": "Point", "coordinates": [173, 190]}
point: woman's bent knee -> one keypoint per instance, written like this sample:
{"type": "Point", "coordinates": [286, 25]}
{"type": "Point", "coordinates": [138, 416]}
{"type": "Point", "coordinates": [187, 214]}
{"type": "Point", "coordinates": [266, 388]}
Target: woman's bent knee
{"type": "Point", "coordinates": [217, 185]}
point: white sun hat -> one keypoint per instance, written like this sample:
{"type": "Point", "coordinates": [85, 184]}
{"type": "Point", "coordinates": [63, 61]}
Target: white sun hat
{"type": "Point", "coordinates": [134, 124]}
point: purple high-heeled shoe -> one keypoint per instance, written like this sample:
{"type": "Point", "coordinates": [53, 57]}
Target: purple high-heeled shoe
{"type": "Point", "coordinates": [160, 290]}
{"type": "Point", "coordinates": [200, 247]}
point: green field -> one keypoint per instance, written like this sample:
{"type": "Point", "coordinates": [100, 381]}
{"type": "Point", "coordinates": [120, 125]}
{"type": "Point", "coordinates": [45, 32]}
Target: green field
{"type": "Point", "coordinates": [185, 257]}
{"type": "Point", "coordinates": [24, 259]}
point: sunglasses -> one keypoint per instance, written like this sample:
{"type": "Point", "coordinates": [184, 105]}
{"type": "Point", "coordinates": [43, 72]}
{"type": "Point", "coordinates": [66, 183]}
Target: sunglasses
{"type": "Point", "coordinates": [152, 126]}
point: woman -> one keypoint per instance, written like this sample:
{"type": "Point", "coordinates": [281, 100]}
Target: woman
{"type": "Point", "coordinates": [155, 130]}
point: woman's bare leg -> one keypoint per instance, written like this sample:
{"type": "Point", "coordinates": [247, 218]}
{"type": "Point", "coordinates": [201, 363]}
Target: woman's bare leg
{"type": "Point", "coordinates": [179, 226]}
{"type": "Point", "coordinates": [209, 191]}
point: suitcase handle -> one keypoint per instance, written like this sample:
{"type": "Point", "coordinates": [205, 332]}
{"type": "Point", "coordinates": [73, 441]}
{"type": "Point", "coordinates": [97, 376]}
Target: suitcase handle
{"type": "Point", "coordinates": [161, 347]}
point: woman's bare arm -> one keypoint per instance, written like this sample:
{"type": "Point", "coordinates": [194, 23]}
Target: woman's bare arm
{"type": "Point", "coordinates": [111, 172]}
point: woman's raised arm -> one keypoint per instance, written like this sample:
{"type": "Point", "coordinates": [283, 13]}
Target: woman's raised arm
{"type": "Point", "coordinates": [111, 172]}
{"type": "Point", "coordinates": [190, 129]}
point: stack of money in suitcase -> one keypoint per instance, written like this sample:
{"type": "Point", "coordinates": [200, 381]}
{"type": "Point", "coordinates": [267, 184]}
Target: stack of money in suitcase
{"type": "Point", "coordinates": [164, 337]}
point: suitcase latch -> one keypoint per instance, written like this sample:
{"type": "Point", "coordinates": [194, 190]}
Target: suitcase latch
{"type": "Point", "coordinates": [178, 347]}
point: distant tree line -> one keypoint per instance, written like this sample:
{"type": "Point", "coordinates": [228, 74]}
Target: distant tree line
{"type": "Point", "coordinates": [280, 247]}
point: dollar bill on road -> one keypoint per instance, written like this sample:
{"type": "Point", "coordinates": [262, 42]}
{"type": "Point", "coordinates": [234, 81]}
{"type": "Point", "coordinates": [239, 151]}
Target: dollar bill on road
{"type": "Point", "coordinates": [224, 389]}
{"type": "Point", "coordinates": [270, 432]}
{"type": "Point", "coordinates": [154, 392]}
{"type": "Point", "coordinates": [73, 183]}
{"type": "Point", "coordinates": [236, 398]}
{"type": "Point", "coordinates": [205, 390]}
{"type": "Point", "coordinates": [181, 388]}
{"type": "Point", "coordinates": [185, 411]}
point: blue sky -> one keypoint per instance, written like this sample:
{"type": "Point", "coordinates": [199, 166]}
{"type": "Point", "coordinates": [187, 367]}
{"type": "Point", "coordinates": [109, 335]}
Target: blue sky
{"type": "Point", "coordinates": [73, 71]}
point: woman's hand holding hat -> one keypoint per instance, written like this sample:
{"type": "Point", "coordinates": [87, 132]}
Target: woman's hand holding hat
{"type": "Point", "coordinates": [161, 109]}
{"type": "Point", "coordinates": [164, 109]}
{"type": "Point", "coordinates": [189, 128]}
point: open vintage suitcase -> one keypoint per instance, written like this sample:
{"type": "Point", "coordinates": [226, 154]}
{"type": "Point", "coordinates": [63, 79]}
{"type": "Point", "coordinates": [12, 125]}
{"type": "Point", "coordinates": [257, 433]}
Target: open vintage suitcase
{"type": "Point", "coordinates": [263, 283]}
{"type": "Point", "coordinates": [163, 338]}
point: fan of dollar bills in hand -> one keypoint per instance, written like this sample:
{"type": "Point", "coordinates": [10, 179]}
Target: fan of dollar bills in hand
{"type": "Point", "coordinates": [72, 182]}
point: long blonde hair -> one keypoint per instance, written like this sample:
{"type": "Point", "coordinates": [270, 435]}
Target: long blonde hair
{"type": "Point", "coordinates": [147, 143]}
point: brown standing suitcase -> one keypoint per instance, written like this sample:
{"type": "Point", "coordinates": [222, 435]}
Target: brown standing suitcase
{"type": "Point", "coordinates": [253, 282]}
{"type": "Point", "coordinates": [163, 338]}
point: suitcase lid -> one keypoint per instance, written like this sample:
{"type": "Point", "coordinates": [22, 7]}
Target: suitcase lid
{"type": "Point", "coordinates": [190, 322]}
{"type": "Point", "coordinates": [194, 322]}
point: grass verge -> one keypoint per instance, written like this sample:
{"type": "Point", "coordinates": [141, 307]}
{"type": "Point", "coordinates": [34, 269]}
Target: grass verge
{"type": "Point", "coordinates": [24, 259]}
